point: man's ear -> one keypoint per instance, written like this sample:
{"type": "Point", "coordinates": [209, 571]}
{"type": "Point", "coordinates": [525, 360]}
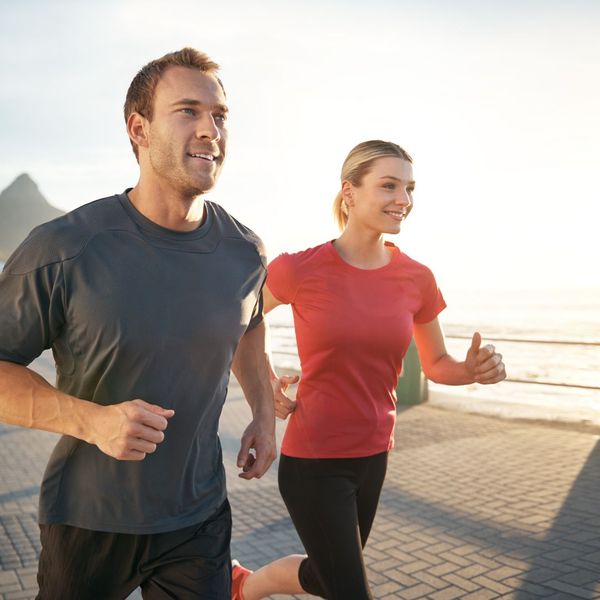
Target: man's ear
{"type": "Point", "coordinates": [137, 129]}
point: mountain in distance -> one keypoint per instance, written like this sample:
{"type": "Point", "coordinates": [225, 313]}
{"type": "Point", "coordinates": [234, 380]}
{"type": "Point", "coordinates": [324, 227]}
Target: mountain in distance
{"type": "Point", "coordinates": [22, 207]}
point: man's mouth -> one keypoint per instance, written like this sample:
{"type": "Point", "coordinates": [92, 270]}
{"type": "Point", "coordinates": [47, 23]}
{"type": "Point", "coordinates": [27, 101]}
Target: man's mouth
{"type": "Point", "coordinates": [203, 156]}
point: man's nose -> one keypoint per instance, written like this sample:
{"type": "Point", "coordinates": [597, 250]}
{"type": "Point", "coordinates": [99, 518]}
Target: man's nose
{"type": "Point", "coordinates": [207, 128]}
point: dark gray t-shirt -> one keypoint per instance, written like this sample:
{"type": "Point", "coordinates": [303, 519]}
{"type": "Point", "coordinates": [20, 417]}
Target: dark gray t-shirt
{"type": "Point", "coordinates": [134, 310]}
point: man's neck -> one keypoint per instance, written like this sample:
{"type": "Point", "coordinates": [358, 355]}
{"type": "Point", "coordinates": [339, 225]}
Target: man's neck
{"type": "Point", "coordinates": [168, 208]}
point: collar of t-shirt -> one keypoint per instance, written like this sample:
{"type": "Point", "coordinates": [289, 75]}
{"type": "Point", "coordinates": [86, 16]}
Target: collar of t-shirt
{"type": "Point", "coordinates": [202, 239]}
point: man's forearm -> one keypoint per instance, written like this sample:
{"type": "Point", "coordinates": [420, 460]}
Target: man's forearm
{"type": "Point", "coordinates": [28, 400]}
{"type": "Point", "coordinates": [252, 368]}
{"type": "Point", "coordinates": [128, 430]}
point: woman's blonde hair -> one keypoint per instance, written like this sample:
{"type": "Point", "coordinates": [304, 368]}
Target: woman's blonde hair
{"type": "Point", "coordinates": [357, 164]}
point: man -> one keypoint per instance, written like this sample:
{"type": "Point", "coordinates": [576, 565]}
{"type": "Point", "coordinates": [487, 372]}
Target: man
{"type": "Point", "coordinates": [146, 299]}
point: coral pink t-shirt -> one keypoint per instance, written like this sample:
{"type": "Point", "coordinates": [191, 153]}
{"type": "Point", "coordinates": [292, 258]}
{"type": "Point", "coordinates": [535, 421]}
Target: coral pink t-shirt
{"type": "Point", "coordinates": [353, 327]}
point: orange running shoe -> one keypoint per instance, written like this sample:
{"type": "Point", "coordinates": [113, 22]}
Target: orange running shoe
{"type": "Point", "coordinates": [238, 576]}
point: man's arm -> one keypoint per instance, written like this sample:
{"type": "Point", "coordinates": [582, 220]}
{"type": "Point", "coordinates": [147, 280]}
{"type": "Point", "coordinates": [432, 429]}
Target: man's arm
{"type": "Point", "coordinates": [125, 431]}
{"type": "Point", "coordinates": [251, 367]}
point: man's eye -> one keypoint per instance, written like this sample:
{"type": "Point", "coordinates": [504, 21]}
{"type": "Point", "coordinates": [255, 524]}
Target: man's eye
{"type": "Point", "coordinates": [221, 118]}
{"type": "Point", "coordinates": [188, 111]}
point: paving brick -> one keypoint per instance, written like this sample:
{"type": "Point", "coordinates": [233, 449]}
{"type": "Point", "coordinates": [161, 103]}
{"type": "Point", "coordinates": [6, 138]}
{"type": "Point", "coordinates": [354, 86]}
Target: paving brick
{"type": "Point", "coordinates": [454, 558]}
{"type": "Point", "coordinates": [483, 561]}
{"type": "Point", "coordinates": [581, 577]}
{"type": "Point", "coordinates": [490, 584]}
{"type": "Point", "coordinates": [481, 595]}
{"type": "Point", "coordinates": [443, 569]}
{"type": "Point", "coordinates": [449, 593]}
{"type": "Point", "coordinates": [567, 588]}
{"type": "Point", "coordinates": [383, 566]}
{"type": "Point", "coordinates": [502, 573]}
{"type": "Point", "coordinates": [28, 581]}
{"type": "Point", "coordinates": [435, 582]}
{"type": "Point", "coordinates": [402, 578]}
{"type": "Point", "coordinates": [385, 589]}
{"type": "Point", "coordinates": [10, 587]}
{"type": "Point", "coordinates": [418, 591]}
{"type": "Point", "coordinates": [8, 578]}
{"type": "Point", "coordinates": [461, 582]}
{"type": "Point", "coordinates": [472, 571]}
{"type": "Point", "coordinates": [427, 557]}
{"type": "Point", "coordinates": [417, 565]}
{"type": "Point", "coordinates": [20, 595]}
{"type": "Point", "coordinates": [528, 587]}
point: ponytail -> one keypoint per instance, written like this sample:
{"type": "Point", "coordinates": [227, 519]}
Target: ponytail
{"type": "Point", "coordinates": [340, 212]}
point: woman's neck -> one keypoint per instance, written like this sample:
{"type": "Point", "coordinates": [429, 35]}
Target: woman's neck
{"type": "Point", "coordinates": [363, 250]}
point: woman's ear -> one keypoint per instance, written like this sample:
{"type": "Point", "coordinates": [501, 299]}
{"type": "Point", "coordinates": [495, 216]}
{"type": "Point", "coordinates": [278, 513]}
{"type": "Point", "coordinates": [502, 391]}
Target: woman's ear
{"type": "Point", "coordinates": [348, 193]}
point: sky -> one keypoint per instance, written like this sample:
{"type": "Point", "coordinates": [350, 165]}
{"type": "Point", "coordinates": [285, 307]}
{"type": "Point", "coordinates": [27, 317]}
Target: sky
{"type": "Point", "coordinates": [497, 102]}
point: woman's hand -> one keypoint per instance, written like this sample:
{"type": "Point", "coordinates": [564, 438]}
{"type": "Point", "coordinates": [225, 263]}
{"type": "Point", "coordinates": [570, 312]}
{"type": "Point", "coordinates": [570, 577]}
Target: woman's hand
{"type": "Point", "coordinates": [484, 364]}
{"type": "Point", "coordinates": [284, 406]}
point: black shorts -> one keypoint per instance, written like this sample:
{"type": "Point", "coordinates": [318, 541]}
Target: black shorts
{"type": "Point", "coordinates": [189, 563]}
{"type": "Point", "coordinates": [332, 503]}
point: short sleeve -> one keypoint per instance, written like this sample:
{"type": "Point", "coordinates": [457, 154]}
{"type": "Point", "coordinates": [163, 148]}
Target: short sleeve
{"type": "Point", "coordinates": [432, 301]}
{"type": "Point", "coordinates": [258, 313]}
{"type": "Point", "coordinates": [282, 278]}
{"type": "Point", "coordinates": [31, 311]}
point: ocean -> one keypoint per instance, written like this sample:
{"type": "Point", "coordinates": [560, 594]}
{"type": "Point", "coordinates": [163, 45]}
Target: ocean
{"type": "Point", "coordinates": [549, 315]}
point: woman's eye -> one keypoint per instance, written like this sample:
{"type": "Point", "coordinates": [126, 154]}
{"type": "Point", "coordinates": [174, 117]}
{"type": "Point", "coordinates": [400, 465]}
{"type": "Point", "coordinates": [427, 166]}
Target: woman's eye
{"type": "Point", "coordinates": [389, 186]}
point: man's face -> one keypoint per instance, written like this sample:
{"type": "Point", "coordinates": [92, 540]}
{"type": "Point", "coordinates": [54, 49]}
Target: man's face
{"type": "Point", "coordinates": [187, 136]}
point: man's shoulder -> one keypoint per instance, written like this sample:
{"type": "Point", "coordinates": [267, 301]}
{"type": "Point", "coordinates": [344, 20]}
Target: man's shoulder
{"type": "Point", "coordinates": [66, 236]}
{"type": "Point", "coordinates": [231, 228]}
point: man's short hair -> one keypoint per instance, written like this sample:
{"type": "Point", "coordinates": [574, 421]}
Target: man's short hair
{"type": "Point", "coordinates": [140, 95]}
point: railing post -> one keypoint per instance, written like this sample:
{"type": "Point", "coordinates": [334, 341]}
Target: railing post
{"type": "Point", "coordinates": [412, 385]}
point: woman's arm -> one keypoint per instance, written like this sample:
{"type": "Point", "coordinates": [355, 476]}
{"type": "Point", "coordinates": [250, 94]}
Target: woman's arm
{"type": "Point", "coordinates": [284, 406]}
{"type": "Point", "coordinates": [481, 365]}
{"type": "Point", "coordinates": [269, 301]}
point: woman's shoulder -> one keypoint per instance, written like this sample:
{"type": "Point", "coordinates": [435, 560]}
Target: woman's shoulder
{"type": "Point", "coordinates": [303, 258]}
{"type": "Point", "coordinates": [289, 271]}
{"type": "Point", "coordinates": [408, 263]}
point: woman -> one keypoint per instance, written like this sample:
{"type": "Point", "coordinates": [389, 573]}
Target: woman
{"type": "Point", "coordinates": [357, 301]}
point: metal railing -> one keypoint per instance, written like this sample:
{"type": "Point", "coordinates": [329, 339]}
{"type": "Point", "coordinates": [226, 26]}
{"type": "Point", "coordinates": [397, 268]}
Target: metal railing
{"type": "Point", "coordinates": [516, 340]}
{"type": "Point", "coordinates": [530, 341]}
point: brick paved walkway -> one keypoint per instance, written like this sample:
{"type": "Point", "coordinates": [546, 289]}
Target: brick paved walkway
{"type": "Point", "coordinates": [473, 507]}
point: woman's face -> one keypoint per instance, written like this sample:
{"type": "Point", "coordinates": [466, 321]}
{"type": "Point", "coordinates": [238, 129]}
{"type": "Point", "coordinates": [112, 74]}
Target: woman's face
{"type": "Point", "coordinates": [384, 198]}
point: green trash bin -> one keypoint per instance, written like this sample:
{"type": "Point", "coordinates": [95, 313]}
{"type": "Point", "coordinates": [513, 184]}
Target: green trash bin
{"type": "Point", "coordinates": [412, 385]}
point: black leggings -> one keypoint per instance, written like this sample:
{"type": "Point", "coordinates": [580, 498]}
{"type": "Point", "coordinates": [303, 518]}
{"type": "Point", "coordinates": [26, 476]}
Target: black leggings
{"type": "Point", "coordinates": [332, 503]}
